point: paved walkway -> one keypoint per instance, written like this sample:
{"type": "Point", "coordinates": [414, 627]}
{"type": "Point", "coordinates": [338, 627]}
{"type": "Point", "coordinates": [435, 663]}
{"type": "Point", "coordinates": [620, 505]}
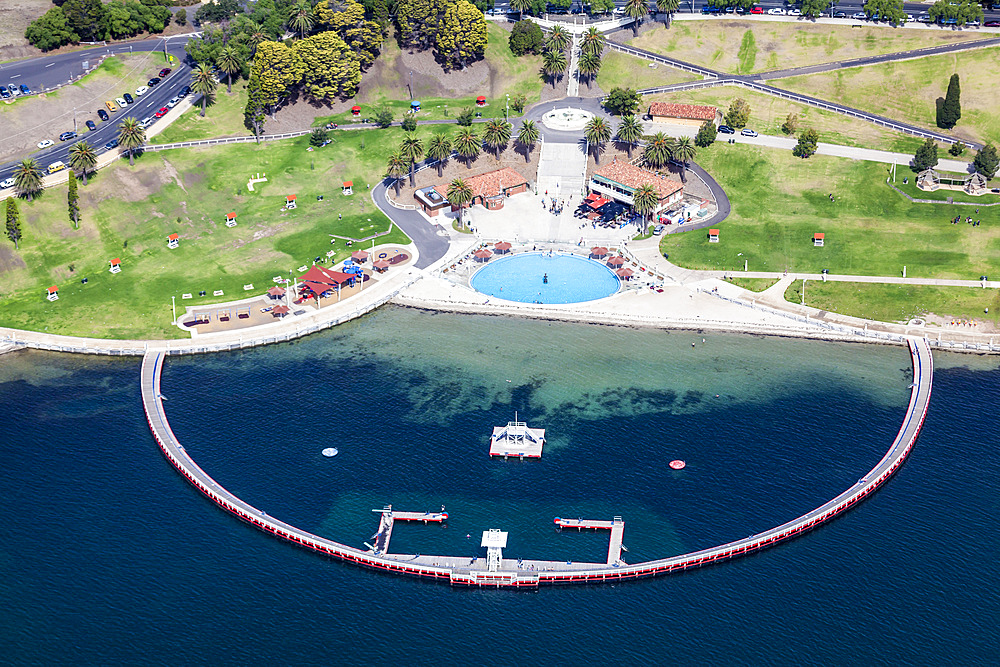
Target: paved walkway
{"type": "Point", "coordinates": [573, 84]}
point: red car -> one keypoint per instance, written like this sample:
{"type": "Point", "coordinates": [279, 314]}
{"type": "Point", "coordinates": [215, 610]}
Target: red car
{"type": "Point", "coordinates": [165, 71]}
{"type": "Point", "coordinates": [756, 10]}
{"type": "Point", "coordinates": [162, 112]}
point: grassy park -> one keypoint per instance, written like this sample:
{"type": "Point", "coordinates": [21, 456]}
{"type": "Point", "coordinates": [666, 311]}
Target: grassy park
{"type": "Point", "coordinates": [746, 46]}
{"type": "Point", "coordinates": [907, 90]}
{"type": "Point", "coordinates": [223, 118]}
{"type": "Point", "coordinates": [779, 201]}
{"type": "Point", "coordinates": [621, 69]}
{"type": "Point", "coordinates": [128, 213]}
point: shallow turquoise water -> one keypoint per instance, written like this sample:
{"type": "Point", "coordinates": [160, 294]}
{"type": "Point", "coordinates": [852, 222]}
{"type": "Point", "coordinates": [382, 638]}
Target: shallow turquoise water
{"type": "Point", "coordinates": [544, 278]}
{"type": "Point", "coordinates": [109, 556]}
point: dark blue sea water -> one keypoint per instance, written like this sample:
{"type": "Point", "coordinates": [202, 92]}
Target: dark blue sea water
{"type": "Point", "coordinates": [109, 556]}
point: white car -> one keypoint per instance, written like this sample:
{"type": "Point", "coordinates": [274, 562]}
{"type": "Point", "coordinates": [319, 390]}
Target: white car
{"type": "Point", "coordinates": [795, 12]}
{"type": "Point", "coordinates": [777, 11]}
{"type": "Point", "coordinates": [9, 183]}
{"type": "Point", "coordinates": [45, 143]}
{"type": "Point", "coordinates": [121, 102]}
{"type": "Point", "coordinates": [173, 102]}
{"type": "Point", "coordinates": [141, 90]}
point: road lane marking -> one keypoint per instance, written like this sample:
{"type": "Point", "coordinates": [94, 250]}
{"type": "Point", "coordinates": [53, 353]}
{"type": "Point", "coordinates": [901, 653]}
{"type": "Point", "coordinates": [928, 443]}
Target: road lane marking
{"type": "Point", "coordinates": [50, 64]}
{"type": "Point", "coordinates": [14, 76]}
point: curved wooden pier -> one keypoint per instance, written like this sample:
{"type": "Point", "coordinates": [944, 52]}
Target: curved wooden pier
{"type": "Point", "coordinates": [531, 573]}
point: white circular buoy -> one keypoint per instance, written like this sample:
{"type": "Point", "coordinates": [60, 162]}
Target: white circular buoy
{"type": "Point", "coordinates": [330, 451]}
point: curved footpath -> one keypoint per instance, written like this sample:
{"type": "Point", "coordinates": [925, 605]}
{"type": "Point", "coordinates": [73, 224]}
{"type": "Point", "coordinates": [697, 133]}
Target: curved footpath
{"type": "Point", "coordinates": [462, 571]}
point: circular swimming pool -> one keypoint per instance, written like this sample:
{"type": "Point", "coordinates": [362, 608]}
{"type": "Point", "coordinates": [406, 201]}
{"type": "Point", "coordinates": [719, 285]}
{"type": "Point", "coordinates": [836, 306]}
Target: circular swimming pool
{"type": "Point", "coordinates": [537, 277]}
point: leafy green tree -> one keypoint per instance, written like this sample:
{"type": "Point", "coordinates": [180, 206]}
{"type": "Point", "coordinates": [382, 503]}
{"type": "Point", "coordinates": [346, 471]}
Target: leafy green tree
{"type": "Point", "coordinates": [645, 200]}
{"type": "Point", "coordinates": [253, 36]}
{"type": "Point", "coordinates": [465, 116]}
{"type": "Point", "coordinates": [668, 8]}
{"type": "Point", "coordinates": [962, 11]}
{"type": "Point", "coordinates": [658, 151]}
{"type": "Point", "coordinates": [439, 149]}
{"type": "Point", "coordinates": [683, 151]}
{"type": "Point", "coordinates": [926, 156]}
{"type": "Point", "coordinates": [318, 137]}
{"type": "Point", "coordinates": [362, 35]}
{"type": "Point", "coordinates": [13, 226]}
{"type": "Point", "coordinates": [558, 39]}
{"type": "Point", "coordinates": [629, 132]}
{"type": "Point", "coordinates": [950, 110]}
{"type": "Point", "coordinates": [131, 137]}
{"type": "Point", "coordinates": [593, 42]}
{"type": "Point", "coordinates": [553, 65]}
{"type": "Point", "coordinates": [463, 35]}
{"type": "Point", "coordinates": [329, 67]}
{"type": "Point", "coordinates": [84, 17]}
{"type": "Point", "coordinates": [50, 31]}
{"type": "Point", "coordinates": [220, 10]}
{"type": "Point", "coordinates": [230, 62]}
{"type": "Point", "coordinates": [73, 201]}
{"type": "Point", "coordinates": [277, 68]}
{"type": "Point", "coordinates": [987, 161]}
{"type": "Point", "coordinates": [622, 101]}
{"type": "Point", "coordinates": [597, 132]}
{"type": "Point", "coordinates": [181, 17]}
{"type": "Point", "coordinates": [467, 145]}
{"type": "Point", "coordinates": [28, 178]}
{"type": "Point", "coordinates": [383, 116]}
{"type": "Point", "coordinates": [791, 123]}
{"type": "Point", "coordinates": [739, 113]}
{"type": "Point", "coordinates": [419, 22]}
{"type": "Point", "coordinates": [409, 123]}
{"type": "Point", "coordinates": [706, 134]}
{"type": "Point", "coordinates": [412, 149]}
{"type": "Point", "coordinates": [595, 7]}
{"type": "Point", "coordinates": [527, 137]}
{"type": "Point", "coordinates": [589, 66]}
{"type": "Point", "coordinates": [207, 48]}
{"type": "Point", "coordinates": [525, 37]}
{"type": "Point", "coordinates": [637, 10]}
{"type": "Point", "coordinates": [203, 83]}
{"type": "Point", "coordinates": [459, 194]}
{"type": "Point", "coordinates": [814, 8]}
{"type": "Point", "coordinates": [956, 149]}
{"type": "Point", "coordinates": [521, 6]}
{"type": "Point", "coordinates": [396, 168]}
{"type": "Point", "coordinates": [517, 103]}
{"type": "Point", "coordinates": [808, 141]}
{"type": "Point", "coordinates": [82, 158]}
{"type": "Point", "coordinates": [890, 11]}
{"type": "Point", "coordinates": [496, 134]}
{"type": "Point", "coordinates": [253, 112]}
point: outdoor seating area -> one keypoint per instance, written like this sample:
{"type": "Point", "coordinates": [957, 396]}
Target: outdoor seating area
{"type": "Point", "coordinates": [603, 212]}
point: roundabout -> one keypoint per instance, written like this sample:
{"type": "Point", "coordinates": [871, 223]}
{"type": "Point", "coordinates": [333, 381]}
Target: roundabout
{"type": "Point", "coordinates": [566, 119]}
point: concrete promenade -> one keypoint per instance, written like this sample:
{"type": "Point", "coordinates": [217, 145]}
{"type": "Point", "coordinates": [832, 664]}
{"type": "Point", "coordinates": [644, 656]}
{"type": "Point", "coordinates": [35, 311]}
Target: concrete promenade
{"type": "Point", "coordinates": [531, 573]}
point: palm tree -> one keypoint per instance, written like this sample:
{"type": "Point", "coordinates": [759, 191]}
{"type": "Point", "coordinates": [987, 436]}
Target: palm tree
{"type": "Point", "coordinates": [254, 35]}
{"type": "Point", "coordinates": [636, 9]}
{"type": "Point", "coordinates": [396, 169]}
{"type": "Point", "coordinates": [657, 152]}
{"type": "Point", "coordinates": [301, 18]}
{"type": "Point", "coordinates": [589, 66]}
{"type": "Point", "coordinates": [683, 151]}
{"type": "Point", "coordinates": [558, 39]}
{"type": "Point", "coordinates": [439, 148]}
{"type": "Point", "coordinates": [459, 194]}
{"type": "Point", "coordinates": [412, 149]}
{"type": "Point", "coordinates": [520, 6]}
{"type": "Point", "coordinates": [230, 63]}
{"type": "Point", "coordinates": [28, 178]}
{"type": "Point", "coordinates": [496, 134]}
{"type": "Point", "coordinates": [467, 145]}
{"type": "Point", "coordinates": [597, 131]}
{"type": "Point", "coordinates": [131, 137]}
{"type": "Point", "coordinates": [527, 136]}
{"type": "Point", "coordinates": [203, 83]}
{"type": "Point", "coordinates": [645, 199]}
{"type": "Point", "coordinates": [593, 42]}
{"type": "Point", "coordinates": [82, 158]}
{"type": "Point", "coordinates": [553, 64]}
{"type": "Point", "coordinates": [629, 132]}
{"type": "Point", "coordinates": [668, 7]}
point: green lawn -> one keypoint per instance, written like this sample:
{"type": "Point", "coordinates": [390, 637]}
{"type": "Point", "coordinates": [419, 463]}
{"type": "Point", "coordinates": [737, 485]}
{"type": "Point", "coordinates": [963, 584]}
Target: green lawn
{"type": "Point", "coordinates": [779, 201]}
{"type": "Point", "coordinates": [752, 284]}
{"type": "Point", "coordinates": [223, 118]}
{"type": "Point", "coordinates": [907, 90]}
{"type": "Point", "coordinates": [898, 303]}
{"type": "Point", "coordinates": [619, 69]}
{"type": "Point", "coordinates": [128, 212]}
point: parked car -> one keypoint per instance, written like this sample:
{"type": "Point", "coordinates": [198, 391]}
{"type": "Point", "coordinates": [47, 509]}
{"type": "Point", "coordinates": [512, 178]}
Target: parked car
{"type": "Point", "coordinates": [4, 93]}
{"type": "Point", "coordinates": [66, 136]}
{"type": "Point", "coordinates": [120, 101]}
{"type": "Point", "coordinates": [162, 112]}
{"type": "Point", "coordinates": [25, 90]}
{"type": "Point", "coordinates": [111, 145]}
{"type": "Point", "coordinates": [14, 92]}
{"type": "Point", "coordinates": [185, 91]}
{"type": "Point", "coordinates": [164, 72]}
{"type": "Point", "coordinates": [146, 122]}
{"type": "Point", "coordinates": [141, 90]}
{"type": "Point", "coordinates": [794, 12]}
{"type": "Point", "coordinates": [992, 24]}
{"type": "Point", "coordinates": [58, 165]}
{"type": "Point", "coordinates": [45, 143]}
{"type": "Point", "coordinates": [840, 15]}
{"type": "Point", "coordinates": [152, 82]}
{"type": "Point", "coordinates": [924, 18]}
{"type": "Point", "coordinates": [756, 10]}
{"type": "Point", "coordinates": [173, 102]}
{"type": "Point", "coordinates": [9, 183]}
{"type": "Point", "coordinates": [91, 125]}
{"type": "Point", "coordinates": [972, 24]}
{"type": "Point", "coordinates": [128, 98]}
{"type": "Point", "coordinates": [859, 16]}
{"type": "Point", "coordinates": [747, 132]}
{"type": "Point", "coordinates": [102, 114]}
{"type": "Point", "coordinates": [658, 229]}
{"type": "Point", "coordinates": [725, 129]}
{"type": "Point", "coordinates": [111, 106]}
{"type": "Point", "coordinates": [776, 11]}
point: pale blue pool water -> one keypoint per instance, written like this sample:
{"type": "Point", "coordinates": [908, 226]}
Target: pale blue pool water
{"type": "Point", "coordinates": [570, 279]}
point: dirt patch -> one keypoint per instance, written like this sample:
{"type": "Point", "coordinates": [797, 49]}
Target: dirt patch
{"type": "Point", "coordinates": [8, 260]}
{"type": "Point", "coordinates": [137, 185]}
{"type": "Point", "coordinates": [171, 172]}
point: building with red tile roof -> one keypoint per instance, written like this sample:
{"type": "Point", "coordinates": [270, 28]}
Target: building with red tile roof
{"type": "Point", "coordinates": [618, 179]}
{"type": "Point", "coordinates": [489, 190]}
{"type": "Point", "coordinates": [682, 114]}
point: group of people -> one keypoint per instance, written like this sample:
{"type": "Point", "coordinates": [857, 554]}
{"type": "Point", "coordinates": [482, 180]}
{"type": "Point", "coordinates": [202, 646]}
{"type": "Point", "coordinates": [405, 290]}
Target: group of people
{"type": "Point", "coordinates": [968, 220]}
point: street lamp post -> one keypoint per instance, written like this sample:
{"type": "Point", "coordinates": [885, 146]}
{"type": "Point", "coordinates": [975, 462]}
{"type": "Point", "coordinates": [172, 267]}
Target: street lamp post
{"type": "Point", "coordinates": [173, 308]}
{"type": "Point", "coordinates": [507, 112]}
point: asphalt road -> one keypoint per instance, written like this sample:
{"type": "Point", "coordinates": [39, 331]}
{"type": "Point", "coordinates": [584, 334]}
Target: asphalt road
{"type": "Point", "coordinates": [37, 72]}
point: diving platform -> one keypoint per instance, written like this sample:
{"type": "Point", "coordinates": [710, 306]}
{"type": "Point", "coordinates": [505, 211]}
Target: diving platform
{"type": "Point", "coordinates": [391, 516]}
{"type": "Point", "coordinates": [517, 439]}
{"type": "Point", "coordinates": [616, 526]}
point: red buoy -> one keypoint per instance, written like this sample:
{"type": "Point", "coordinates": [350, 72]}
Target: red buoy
{"type": "Point", "coordinates": [677, 464]}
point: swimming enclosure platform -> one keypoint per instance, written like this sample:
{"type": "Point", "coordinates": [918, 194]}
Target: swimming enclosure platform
{"type": "Point", "coordinates": [532, 573]}
{"type": "Point", "coordinates": [616, 526]}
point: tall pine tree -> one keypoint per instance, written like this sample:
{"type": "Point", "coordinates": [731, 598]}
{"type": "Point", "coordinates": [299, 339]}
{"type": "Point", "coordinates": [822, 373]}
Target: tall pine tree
{"type": "Point", "coordinates": [73, 201]}
{"type": "Point", "coordinates": [13, 222]}
{"type": "Point", "coordinates": [951, 109]}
